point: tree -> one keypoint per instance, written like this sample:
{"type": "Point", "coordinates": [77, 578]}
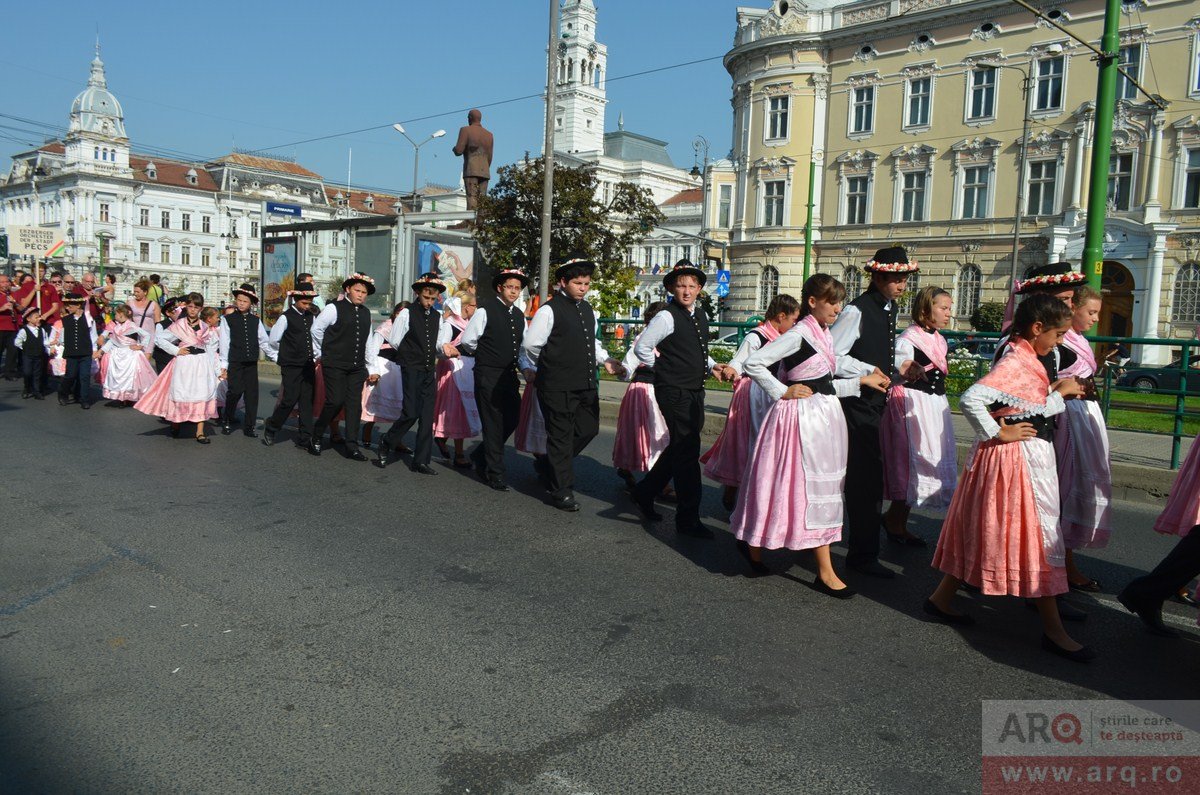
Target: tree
{"type": "Point", "coordinates": [988, 316]}
{"type": "Point", "coordinates": [509, 231]}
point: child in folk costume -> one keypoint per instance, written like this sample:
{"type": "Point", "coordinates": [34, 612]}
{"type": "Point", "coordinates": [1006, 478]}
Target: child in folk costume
{"type": "Point", "coordinates": [792, 489]}
{"type": "Point", "coordinates": [186, 389]}
{"type": "Point", "coordinates": [128, 374]}
{"type": "Point", "coordinates": [455, 415]}
{"type": "Point", "coordinates": [641, 429]}
{"type": "Point", "coordinates": [725, 462]}
{"type": "Point", "coordinates": [33, 341]}
{"type": "Point", "coordinates": [917, 433]}
{"type": "Point", "coordinates": [1081, 441]}
{"type": "Point", "coordinates": [1002, 532]}
{"type": "Point", "coordinates": [78, 337]}
{"type": "Point", "coordinates": [383, 399]}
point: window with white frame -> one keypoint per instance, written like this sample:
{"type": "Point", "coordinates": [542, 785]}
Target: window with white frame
{"type": "Point", "coordinates": [975, 192]}
{"type": "Point", "coordinates": [768, 287]}
{"type": "Point", "coordinates": [206, 223]}
{"type": "Point", "coordinates": [862, 109]}
{"type": "Point", "coordinates": [858, 191]}
{"type": "Point", "coordinates": [1129, 59]}
{"type": "Point", "coordinates": [1043, 175]}
{"type": "Point", "coordinates": [686, 253]}
{"type": "Point", "coordinates": [1185, 297]}
{"type": "Point", "coordinates": [164, 253]}
{"type": "Point", "coordinates": [205, 257]}
{"type": "Point", "coordinates": [104, 211]}
{"type": "Point", "coordinates": [920, 99]}
{"type": "Point", "coordinates": [912, 196]}
{"type": "Point", "coordinates": [254, 229]}
{"type": "Point", "coordinates": [144, 216]}
{"type": "Point", "coordinates": [912, 285]}
{"type": "Point", "coordinates": [185, 255]}
{"type": "Point", "coordinates": [852, 279]}
{"type": "Point", "coordinates": [1191, 180]}
{"type": "Point", "coordinates": [666, 254]}
{"type": "Point", "coordinates": [724, 206]}
{"type": "Point", "coordinates": [1120, 180]}
{"type": "Point", "coordinates": [777, 118]}
{"type": "Point", "coordinates": [1048, 90]}
{"type": "Point", "coordinates": [185, 222]}
{"type": "Point", "coordinates": [166, 219]}
{"type": "Point", "coordinates": [968, 290]}
{"type": "Point", "coordinates": [982, 96]}
{"type": "Point", "coordinates": [253, 260]}
{"type": "Point", "coordinates": [773, 202]}
{"type": "Point", "coordinates": [143, 252]}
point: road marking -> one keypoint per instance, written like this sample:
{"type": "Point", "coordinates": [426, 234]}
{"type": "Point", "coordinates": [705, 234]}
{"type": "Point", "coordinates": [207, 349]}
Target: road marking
{"type": "Point", "coordinates": [28, 601]}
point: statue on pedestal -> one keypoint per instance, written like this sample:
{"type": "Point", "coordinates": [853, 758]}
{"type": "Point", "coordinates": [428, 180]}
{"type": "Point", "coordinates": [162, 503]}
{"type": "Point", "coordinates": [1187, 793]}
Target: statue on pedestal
{"type": "Point", "coordinates": [475, 148]}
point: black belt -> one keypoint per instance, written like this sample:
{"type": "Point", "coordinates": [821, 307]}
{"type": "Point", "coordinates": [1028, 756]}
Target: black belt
{"type": "Point", "coordinates": [933, 384]}
{"type": "Point", "coordinates": [819, 386]}
{"type": "Point", "coordinates": [194, 349]}
{"type": "Point", "coordinates": [642, 375]}
{"type": "Point", "coordinates": [1044, 426]}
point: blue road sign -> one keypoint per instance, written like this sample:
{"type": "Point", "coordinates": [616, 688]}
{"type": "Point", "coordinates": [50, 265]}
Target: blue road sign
{"type": "Point", "coordinates": [637, 312]}
{"type": "Point", "coordinates": [722, 290]}
{"type": "Point", "coordinates": [723, 278]}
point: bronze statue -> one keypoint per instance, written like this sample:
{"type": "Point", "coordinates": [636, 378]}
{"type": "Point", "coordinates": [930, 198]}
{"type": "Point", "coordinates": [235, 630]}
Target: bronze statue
{"type": "Point", "coordinates": [475, 148]}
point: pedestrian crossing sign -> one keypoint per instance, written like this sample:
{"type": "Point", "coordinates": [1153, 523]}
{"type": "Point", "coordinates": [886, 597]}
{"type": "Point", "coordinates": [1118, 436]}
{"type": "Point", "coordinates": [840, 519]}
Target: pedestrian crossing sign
{"type": "Point", "coordinates": [723, 277]}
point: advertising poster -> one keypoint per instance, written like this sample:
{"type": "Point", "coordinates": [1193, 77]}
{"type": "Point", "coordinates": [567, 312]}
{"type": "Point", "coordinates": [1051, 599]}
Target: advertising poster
{"type": "Point", "coordinates": [278, 276]}
{"type": "Point", "coordinates": [451, 262]}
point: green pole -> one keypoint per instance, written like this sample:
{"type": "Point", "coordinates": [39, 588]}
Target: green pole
{"type": "Point", "coordinates": [1106, 101]}
{"type": "Point", "coordinates": [812, 178]}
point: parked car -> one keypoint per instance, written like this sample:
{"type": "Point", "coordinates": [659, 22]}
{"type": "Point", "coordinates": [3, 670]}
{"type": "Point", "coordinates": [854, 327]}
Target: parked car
{"type": "Point", "coordinates": [1145, 379]}
{"type": "Point", "coordinates": [729, 341]}
{"type": "Point", "coordinates": [974, 349]}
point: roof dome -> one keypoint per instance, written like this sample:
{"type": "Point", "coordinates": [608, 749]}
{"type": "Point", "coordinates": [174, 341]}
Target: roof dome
{"type": "Point", "coordinates": [96, 110]}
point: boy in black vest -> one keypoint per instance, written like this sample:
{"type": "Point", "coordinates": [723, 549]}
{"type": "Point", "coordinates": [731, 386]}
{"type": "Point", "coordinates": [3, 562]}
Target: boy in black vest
{"type": "Point", "coordinates": [493, 336]}
{"type": "Point", "coordinates": [560, 353]}
{"type": "Point", "coordinates": [31, 341]}
{"type": "Point", "coordinates": [417, 337]}
{"type": "Point", "coordinates": [79, 348]}
{"type": "Point", "coordinates": [339, 337]}
{"type": "Point", "coordinates": [864, 338]}
{"type": "Point", "coordinates": [291, 337]}
{"type": "Point", "coordinates": [680, 335]}
{"type": "Point", "coordinates": [242, 338]}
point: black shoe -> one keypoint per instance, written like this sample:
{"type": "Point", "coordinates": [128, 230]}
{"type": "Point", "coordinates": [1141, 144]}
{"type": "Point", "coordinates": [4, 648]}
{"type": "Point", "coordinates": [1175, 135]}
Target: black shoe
{"type": "Point", "coordinates": [873, 568]}
{"type": "Point", "coordinates": [1066, 610]}
{"type": "Point", "coordinates": [385, 457]}
{"type": "Point", "coordinates": [497, 484]}
{"type": "Point", "coordinates": [1150, 612]}
{"type": "Point", "coordinates": [356, 455]}
{"type": "Point", "coordinates": [301, 442]}
{"type": "Point", "coordinates": [424, 469]}
{"type": "Point", "coordinates": [820, 586]}
{"type": "Point", "coordinates": [645, 507]}
{"type": "Point", "coordinates": [907, 541]}
{"type": "Point", "coordinates": [1185, 599]}
{"type": "Point", "coordinates": [314, 447]}
{"type": "Point", "coordinates": [226, 429]}
{"type": "Point", "coordinates": [268, 437]}
{"type": "Point", "coordinates": [566, 503]}
{"type": "Point", "coordinates": [202, 439]}
{"type": "Point", "coordinates": [1091, 586]}
{"type": "Point", "coordinates": [62, 401]}
{"type": "Point", "coordinates": [85, 406]}
{"type": "Point", "coordinates": [954, 619]}
{"type": "Point", "coordinates": [253, 434]}
{"type": "Point", "coordinates": [1080, 655]}
{"type": "Point", "coordinates": [696, 530]}
{"type": "Point", "coordinates": [757, 567]}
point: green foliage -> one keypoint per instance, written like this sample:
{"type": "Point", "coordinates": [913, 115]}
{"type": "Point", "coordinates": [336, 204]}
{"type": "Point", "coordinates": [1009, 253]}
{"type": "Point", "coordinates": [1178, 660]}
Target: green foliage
{"type": "Point", "coordinates": [721, 354]}
{"type": "Point", "coordinates": [988, 316]}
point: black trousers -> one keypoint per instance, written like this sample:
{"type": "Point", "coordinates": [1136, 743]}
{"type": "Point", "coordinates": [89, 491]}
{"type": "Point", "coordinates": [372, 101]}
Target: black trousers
{"type": "Point", "coordinates": [864, 479]}
{"type": "Point", "coordinates": [1177, 569]}
{"type": "Point", "coordinates": [295, 389]}
{"type": "Point", "coordinates": [572, 421]}
{"type": "Point", "coordinates": [683, 409]}
{"type": "Point", "coordinates": [78, 379]}
{"type": "Point", "coordinates": [36, 373]}
{"type": "Point", "coordinates": [498, 396]}
{"type": "Point", "coordinates": [343, 390]}
{"type": "Point", "coordinates": [12, 355]}
{"type": "Point", "coordinates": [243, 384]}
{"type": "Point", "coordinates": [420, 392]}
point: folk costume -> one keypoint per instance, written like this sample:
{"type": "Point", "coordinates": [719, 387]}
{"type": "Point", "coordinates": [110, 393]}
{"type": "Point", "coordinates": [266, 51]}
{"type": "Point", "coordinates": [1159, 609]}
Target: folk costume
{"type": "Point", "coordinates": [1081, 443]}
{"type": "Point", "coordinates": [143, 318]}
{"type": "Point", "coordinates": [455, 415]}
{"type": "Point", "coordinates": [128, 374]}
{"type": "Point", "coordinates": [33, 342]}
{"type": "Point", "coordinates": [384, 400]}
{"type": "Point", "coordinates": [243, 339]}
{"type": "Point", "coordinates": [917, 432]}
{"type": "Point", "coordinates": [340, 334]}
{"type": "Point", "coordinates": [1182, 510]}
{"type": "Point", "coordinates": [291, 337]}
{"type": "Point", "coordinates": [186, 389]}
{"type": "Point", "coordinates": [493, 338]}
{"type": "Point", "coordinates": [641, 429]}
{"type": "Point", "coordinates": [79, 342]}
{"type": "Point", "coordinates": [1002, 532]}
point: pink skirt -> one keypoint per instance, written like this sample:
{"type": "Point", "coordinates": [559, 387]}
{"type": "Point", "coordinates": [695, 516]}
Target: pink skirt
{"type": "Point", "coordinates": [531, 428]}
{"type": "Point", "coordinates": [384, 401]}
{"type": "Point", "coordinates": [919, 451]}
{"type": "Point", "coordinates": [725, 462]}
{"type": "Point", "coordinates": [1084, 475]}
{"type": "Point", "coordinates": [449, 414]}
{"type": "Point", "coordinates": [128, 375]}
{"type": "Point", "coordinates": [792, 495]}
{"type": "Point", "coordinates": [1182, 512]}
{"type": "Point", "coordinates": [641, 430]}
{"type": "Point", "coordinates": [158, 403]}
{"type": "Point", "coordinates": [994, 535]}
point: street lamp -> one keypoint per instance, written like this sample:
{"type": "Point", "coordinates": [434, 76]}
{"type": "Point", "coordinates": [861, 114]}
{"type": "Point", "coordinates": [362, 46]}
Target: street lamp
{"type": "Point", "coordinates": [103, 238]}
{"type": "Point", "coordinates": [231, 241]}
{"type": "Point", "coordinates": [398, 127]}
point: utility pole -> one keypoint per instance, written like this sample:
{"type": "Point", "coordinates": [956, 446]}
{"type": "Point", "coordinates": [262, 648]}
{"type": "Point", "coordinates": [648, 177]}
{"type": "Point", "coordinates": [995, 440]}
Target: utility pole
{"type": "Point", "coordinates": [548, 154]}
{"type": "Point", "coordinates": [812, 178]}
{"type": "Point", "coordinates": [1106, 101]}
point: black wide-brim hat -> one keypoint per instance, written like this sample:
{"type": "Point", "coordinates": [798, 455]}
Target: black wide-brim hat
{"type": "Point", "coordinates": [586, 264]}
{"type": "Point", "coordinates": [684, 268]}
{"type": "Point", "coordinates": [428, 280]}
{"type": "Point", "coordinates": [360, 278]}
{"type": "Point", "coordinates": [248, 291]}
{"type": "Point", "coordinates": [1058, 274]}
{"type": "Point", "coordinates": [510, 273]}
{"type": "Point", "coordinates": [893, 259]}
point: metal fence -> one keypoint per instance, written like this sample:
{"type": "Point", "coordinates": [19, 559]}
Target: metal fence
{"type": "Point", "coordinates": [1116, 390]}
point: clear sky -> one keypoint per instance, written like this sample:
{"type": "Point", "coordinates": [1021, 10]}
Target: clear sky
{"type": "Point", "coordinates": [202, 78]}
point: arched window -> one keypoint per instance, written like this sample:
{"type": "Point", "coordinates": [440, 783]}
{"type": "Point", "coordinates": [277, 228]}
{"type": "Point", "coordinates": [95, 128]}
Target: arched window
{"type": "Point", "coordinates": [852, 278]}
{"type": "Point", "coordinates": [1185, 298]}
{"type": "Point", "coordinates": [768, 287]}
{"type": "Point", "coordinates": [910, 292]}
{"type": "Point", "coordinates": [967, 291]}
{"type": "Point", "coordinates": [96, 153]}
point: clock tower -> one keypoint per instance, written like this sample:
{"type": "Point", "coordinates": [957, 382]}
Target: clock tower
{"type": "Point", "coordinates": [582, 71]}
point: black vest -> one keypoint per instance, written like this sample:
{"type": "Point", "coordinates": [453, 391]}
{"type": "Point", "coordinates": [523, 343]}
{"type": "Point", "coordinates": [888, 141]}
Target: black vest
{"type": "Point", "coordinates": [821, 385]}
{"type": "Point", "coordinates": [243, 336]}
{"type": "Point", "coordinates": [34, 344]}
{"type": "Point", "coordinates": [503, 332]}
{"type": "Point", "coordinates": [345, 343]}
{"type": "Point", "coordinates": [876, 343]}
{"type": "Point", "coordinates": [683, 354]}
{"type": "Point", "coordinates": [295, 346]}
{"type": "Point", "coordinates": [418, 349]}
{"type": "Point", "coordinates": [935, 380]}
{"type": "Point", "coordinates": [77, 339]}
{"type": "Point", "coordinates": [568, 359]}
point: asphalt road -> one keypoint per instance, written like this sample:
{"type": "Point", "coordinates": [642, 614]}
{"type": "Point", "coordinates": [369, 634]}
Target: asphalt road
{"type": "Point", "coordinates": [236, 618]}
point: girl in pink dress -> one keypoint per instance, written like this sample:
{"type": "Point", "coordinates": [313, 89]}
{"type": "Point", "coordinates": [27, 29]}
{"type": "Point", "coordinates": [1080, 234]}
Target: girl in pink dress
{"type": "Point", "coordinates": [917, 433]}
{"type": "Point", "coordinates": [383, 399]}
{"type": "Point", "coordinates": [128, 374]}
{"type": "Point", "coordinates": [146, 313]}
{"type": "Point", "coordinates": [641, 429]}
{"type": "Point", "coordinates": [1081, 441]}
{"type": "Point", "coordinates": [1002, 532]}
{"type": "Point", "coordinates": [455, 415]}
{"type": "Point", "coordinates": [186, 389]}
{"type": "Point", "coordinates": [1182, 511]}
{"type": "Point", "coordinates": [792, 493]}
{"type": "Point", "coordinates": [725, 462]}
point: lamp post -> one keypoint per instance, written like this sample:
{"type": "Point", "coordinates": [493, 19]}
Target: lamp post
{"type": "Point", "coordinates": [398, 127]}
{"type": "Point", "coordinates": [231, 241]}
{"type": "Point", "coordinates": [700, 171]}
{"type": "Point", "coordinates": [103, 239]}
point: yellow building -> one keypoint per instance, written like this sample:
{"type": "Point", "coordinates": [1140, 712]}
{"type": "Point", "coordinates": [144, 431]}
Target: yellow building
{"type": "Point", "coordinates": [914, 113]}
